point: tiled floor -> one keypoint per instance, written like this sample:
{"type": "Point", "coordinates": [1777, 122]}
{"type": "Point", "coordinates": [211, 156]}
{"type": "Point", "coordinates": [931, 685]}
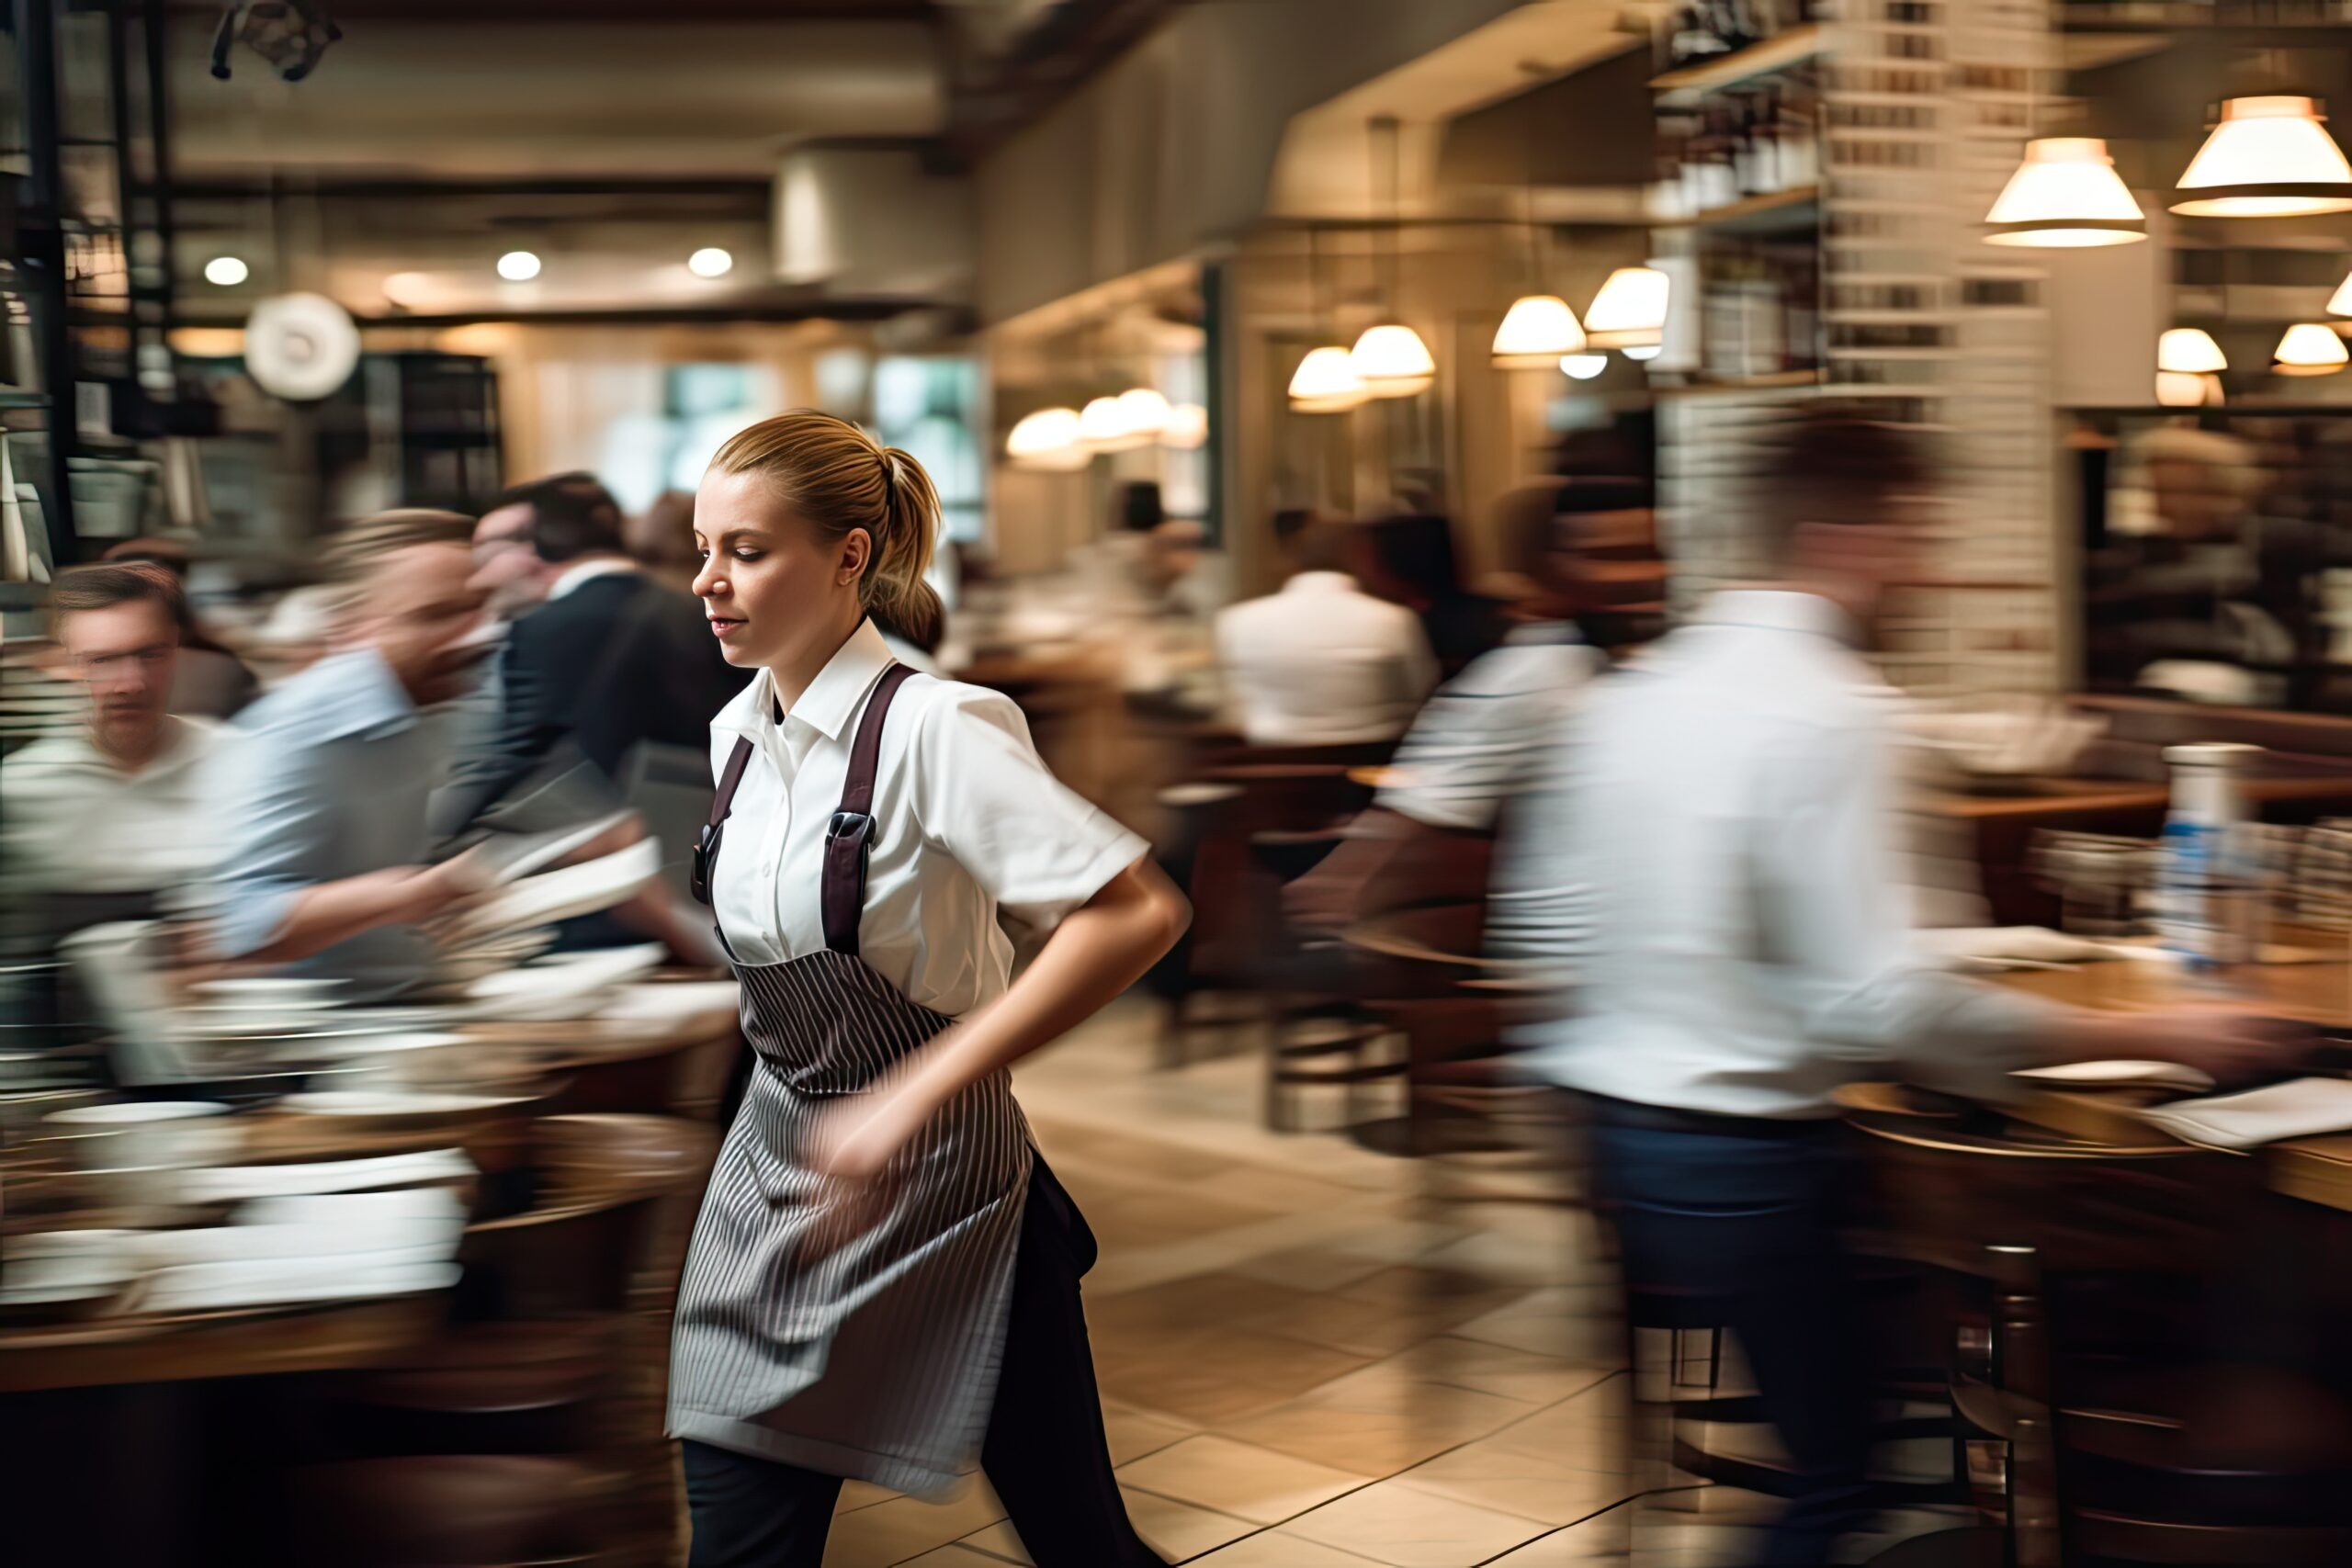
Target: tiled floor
{"type": "Point", "coordinates": [1315, 1356]}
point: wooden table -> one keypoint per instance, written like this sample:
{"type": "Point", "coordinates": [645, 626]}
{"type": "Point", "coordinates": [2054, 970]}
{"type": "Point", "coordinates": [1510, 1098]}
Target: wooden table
{"type": "Point", "coordinates": [2316, 1169]}
{"type": "Point", "coordinates": [240, 1342]}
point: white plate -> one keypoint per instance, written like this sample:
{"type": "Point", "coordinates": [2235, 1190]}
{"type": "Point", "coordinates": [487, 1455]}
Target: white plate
{"type": "Point", "coordinates": [569, 985]}
{"type": "Point", "coordinates": [2119, 1075]}
{"type": "Point", "coordinates": [360, 1208]}
{"type": "Point", "coordinates": [212, 1287]}
{"type": "Point", "coordinates": [299, 1244]}
{"type": "Point", "coordinates": [562, 895]}
{"type": "Point", "coordinates": [271, 990]}
{"type": "Point", "coordinates": [343, 1180]}
{"type": "Point", "coordinates": [385, 1102]}
{"type": "Point", "coordinates": [64, 1280]}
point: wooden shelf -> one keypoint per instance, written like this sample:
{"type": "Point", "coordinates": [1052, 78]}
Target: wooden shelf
{"type": "Point", "coordinates": [1794, 210]}
{"type": "Point", "coordinates": [1784, 50]}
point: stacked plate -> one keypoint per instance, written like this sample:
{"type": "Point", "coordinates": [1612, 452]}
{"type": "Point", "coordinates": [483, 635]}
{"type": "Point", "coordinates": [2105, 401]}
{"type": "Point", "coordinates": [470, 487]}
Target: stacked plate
{"type": "Point", "coordinates": [562, 986]}
{"type": "Point", "coordinates": [498, 951]}
{"type": "Point", "coordinates": [261, 1008]}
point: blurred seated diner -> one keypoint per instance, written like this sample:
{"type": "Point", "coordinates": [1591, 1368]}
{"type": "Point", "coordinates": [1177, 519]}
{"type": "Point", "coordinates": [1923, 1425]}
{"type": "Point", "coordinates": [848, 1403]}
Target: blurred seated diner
{"type": "Point", "coordinates": [1320, 662]}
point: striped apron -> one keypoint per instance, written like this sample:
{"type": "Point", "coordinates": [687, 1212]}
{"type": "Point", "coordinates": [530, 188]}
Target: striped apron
{"type": "Point", "coordinates": [875, 1354]}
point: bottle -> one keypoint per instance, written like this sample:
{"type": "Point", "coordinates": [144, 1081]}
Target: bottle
{"type": "Point", "coordinates": [2208, 902]}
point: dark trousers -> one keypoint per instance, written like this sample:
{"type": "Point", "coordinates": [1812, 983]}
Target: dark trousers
{"type": "Point", "coordinates": [1744, 1215]}
{"type": "Point", "coordinates": [1045, 1451]}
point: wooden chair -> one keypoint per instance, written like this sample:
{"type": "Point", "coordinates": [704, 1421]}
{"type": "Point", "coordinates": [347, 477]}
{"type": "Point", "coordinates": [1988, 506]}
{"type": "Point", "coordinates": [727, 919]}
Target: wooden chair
{"type": "Point", "coordinates": [467, 1511]}
{"type": "Point", "coordinates": [2115, 1437]}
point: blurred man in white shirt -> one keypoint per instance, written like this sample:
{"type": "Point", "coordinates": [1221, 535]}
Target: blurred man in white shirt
{"type": "Point", "coordinates": [96, 824]}
{"type": "Point", "coordinates": [1715, 872]}
{"type": "Point", "coordinates": [1322, 662]}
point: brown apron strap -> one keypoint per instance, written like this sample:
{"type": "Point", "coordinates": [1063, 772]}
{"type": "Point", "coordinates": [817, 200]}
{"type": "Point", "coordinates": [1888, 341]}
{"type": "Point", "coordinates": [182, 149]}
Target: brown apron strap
{"type": "Point", "coordinates": [849, 839]}
{"type": "Point", "coordinates": [707, 847]}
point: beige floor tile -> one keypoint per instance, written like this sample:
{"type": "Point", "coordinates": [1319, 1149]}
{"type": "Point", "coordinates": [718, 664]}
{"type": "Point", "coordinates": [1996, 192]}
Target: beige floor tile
{"type": "Point", "coordinates": [1396, 1524]}
{"type": "Point", "coordinates": [1311, 1268]}
{"type": "Point", "coordinates": [1366, 1328]}
{"type": "Point", "coordinates": [857, 1495]}
{"type": "Point", "coordinates": [1598, 1543]}
{"type": "Point", "coordinates": [1498, 1369]}
{"type": "Point", "coordinates": [1200, 1301]}
{"type": "Point", "coordinates": [1134, 1433]}
{"type": "Point", "coordinates": [1517, 1482]}
{"type": "Point", "coordinates": [1552, 1321]}
{"type": "Point", "coordinates": [956, 1556]}
{"type": "Point", "coordinates": [1256, 1184]}
{"type": "Point", "coordinates": [1242, 1479]}
{"type": "Point", "coordinates": [1179, 1531]}
{"type": "Point", "coordinates": [1378, 1425]}
{"type": "Point", "coordinates": [1145, 1218]}
{"type": "Point", "coordinates": [1280, 1549]}
{"type": "Point", "coordinates": [1215, 1375]}
{"type": "Point", "coordinates": [1001, 1541]}
{"type": "Point", "coordinates": [891, 1532]}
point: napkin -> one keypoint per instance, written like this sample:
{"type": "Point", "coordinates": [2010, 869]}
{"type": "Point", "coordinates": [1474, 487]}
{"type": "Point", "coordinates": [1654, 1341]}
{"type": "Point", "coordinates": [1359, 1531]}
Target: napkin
{"type": "Point", "coordinates": [2272, 1114]}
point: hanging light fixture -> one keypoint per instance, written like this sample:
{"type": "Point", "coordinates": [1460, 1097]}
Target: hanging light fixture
{"type": "Point", "coordinates": [1629, 311]}
{"type": "Point", "coordinates": [1583, 366]}
{"type": "Point", "coordinates": [2267, 157]}
{"type": "Point", "coordinates": [1326, 382]}
{"type": "Point", "coordinates": [2309, 348]}
{"type": "Point", "coordinates": [1536, 332]}
{"type": "Point", "coordinates": [1390, 358]}
{"type": "Point", "coordinates": [2185, 390]}
{"type": "Point", "coordinates": [1047, 440]}
{"type": "Point", "coordinates": [1102, 426]}
{"type": "Point", "coordinates": [2065, 196]}
{"type": "Point", "coordinates": [1538, 329]}
{"type": "Point", "coordinates": [1187, 427]}
{"type": "Point", "coordinates": [2340, 302]}
{"type": "Point", "coordinates": [1147, 412]}
{"type": "Point", "coordinates": [2189, 351]}
{"type": "Point", "coordinates": [1392, 361]}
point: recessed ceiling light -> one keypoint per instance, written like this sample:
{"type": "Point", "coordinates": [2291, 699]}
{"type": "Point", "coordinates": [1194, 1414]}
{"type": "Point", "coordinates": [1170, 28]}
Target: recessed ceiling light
{"type": "Point", "coordinates": [710, 262]}
{"type": "Point", "coordinates": [226, 271]}
{"type": "Point", "coordinates": [518, 267]}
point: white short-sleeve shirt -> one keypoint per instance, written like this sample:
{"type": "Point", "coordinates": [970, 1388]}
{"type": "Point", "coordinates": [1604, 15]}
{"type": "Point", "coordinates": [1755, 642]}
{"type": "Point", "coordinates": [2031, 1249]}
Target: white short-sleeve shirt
{"type": "Point", "coordinates": [967, 820]}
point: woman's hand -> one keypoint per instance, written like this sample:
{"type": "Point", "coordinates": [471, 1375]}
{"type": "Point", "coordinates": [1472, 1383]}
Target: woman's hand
{"type": "Point", "coordinates": [856, 1136]}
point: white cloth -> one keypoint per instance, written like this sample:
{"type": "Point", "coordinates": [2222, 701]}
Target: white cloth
{"type": "Point", "coordinates": [967, 820]}
{"type": "Point", "coordinates": [581, 572]}
{"type": "Point", "coordinates": [72, 822]}
{"type": "Point", "coordinates": [1485, 735]}
{"type": "Point", "coordinates": [1323, 663]}
{"type": "Point", "coordinates": [1717, 866]}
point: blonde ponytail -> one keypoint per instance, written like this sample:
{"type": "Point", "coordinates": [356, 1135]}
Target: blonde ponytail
{"type": "Point", "coordinates": [897, 592]}
{"type": "Point", "coordinates": [840, 479]}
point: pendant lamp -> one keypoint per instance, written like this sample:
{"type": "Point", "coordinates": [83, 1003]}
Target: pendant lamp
{"type": "Point", "coordinates": [2340, 302]}
{"type": "Point", "coordinates": [2309, 348]}
{"type": "Point", "coordinates": [1583, 366]}
{"type": "Point", "coordinates": [2269, 157]}
{"type": "Point", "coordinates": [1047, 440]}
{"type": "Point", "coordinates": [1390, 358]}
{"type": "Point", "coordinates": [1392, 361]}
{"type": "Point", "coordinates": [1187, 427]}
{"type": "Point", "coordinates": [1326, 382]}
{"type": "Point", "coordinates": [1146, 411]}
{"type": "Point", "coordinates": [2187, 389]}
{"type": "Point", "coordinates": [1103, 427]}
{"type": "Point", "coordinates": [2065, 196]}
{"type": "Point", "coordinates": [2189, 351]}
{"type": "Point", "coordinates": [1535, 331]}
{"type": "Point", "coordinates": [1629, 311]}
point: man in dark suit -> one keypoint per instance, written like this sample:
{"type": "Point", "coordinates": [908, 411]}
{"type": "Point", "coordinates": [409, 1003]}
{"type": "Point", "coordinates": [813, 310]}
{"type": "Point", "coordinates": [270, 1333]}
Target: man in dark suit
{"type": "Point", "coordinates": [609, 658]}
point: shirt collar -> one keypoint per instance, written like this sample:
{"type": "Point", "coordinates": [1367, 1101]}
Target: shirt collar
{"type": "Point", "coordinates": [826, 705]}
{"type": "Point", "coordinates": [1778, 610]}
{"type": "Point", "coordinates": [1545, 634]}
{"type": "Point", "coordinates": [361, 695]}
{"type": "Point", "coordinates": [580, 572]}
{"type": "Point", "coordinates": [1320, 582]}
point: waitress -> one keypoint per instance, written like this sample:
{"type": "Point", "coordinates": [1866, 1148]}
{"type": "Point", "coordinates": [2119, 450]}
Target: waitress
{"type": "Point", "coordinates": [883, 1278]}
